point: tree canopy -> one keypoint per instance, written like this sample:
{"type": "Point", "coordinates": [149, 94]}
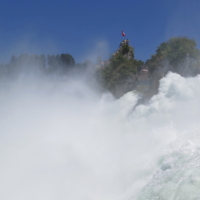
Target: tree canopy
{"type": "Point", "coordinates": [178, 54]}
{"type": "Point", "coordinates": [121, 72]}
{"type": "Point", "coordinates": [120, 69]}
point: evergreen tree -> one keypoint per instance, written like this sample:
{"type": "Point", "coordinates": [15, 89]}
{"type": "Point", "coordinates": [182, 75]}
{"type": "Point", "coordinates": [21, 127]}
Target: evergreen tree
{"type": "Point", "coordinates": [120, 70]}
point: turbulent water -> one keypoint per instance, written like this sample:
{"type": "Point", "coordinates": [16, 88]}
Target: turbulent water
{"type": "Point", "coordinates": [63, 140]}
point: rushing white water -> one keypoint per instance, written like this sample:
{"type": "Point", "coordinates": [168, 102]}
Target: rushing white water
{"type": "Point", "coordinates": [62, 140]}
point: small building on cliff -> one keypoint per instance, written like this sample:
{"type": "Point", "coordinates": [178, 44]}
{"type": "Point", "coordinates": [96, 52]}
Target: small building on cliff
{"type": "Point", "coordinates": [142, 79]}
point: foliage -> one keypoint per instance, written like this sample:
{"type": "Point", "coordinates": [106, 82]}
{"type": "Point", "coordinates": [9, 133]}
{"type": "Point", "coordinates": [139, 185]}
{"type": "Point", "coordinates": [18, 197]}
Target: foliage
{"type": "Point", "coordinates": [178, 54]}
{"type": "Point", "coordinates": [26, 63]}
{"type": "Point", "coordinates": [61, 62]}
{"type": "Point", "coordinates": [67, 60]}
{"type": "Point", "coordinates": [119, 68]}
{"type": "Point", "coordinates": [37, 63]}
{"type": "Point", "coordinates": [126, 50]}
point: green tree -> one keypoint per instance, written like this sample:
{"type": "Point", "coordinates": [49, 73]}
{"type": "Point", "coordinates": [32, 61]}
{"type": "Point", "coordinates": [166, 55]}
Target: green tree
{"type": "Point", "coordinates": [67, 60]}
{"type": "Point", "coordinates": [178, 54]}
{"type": "Point", "coordinates": [120, 69]}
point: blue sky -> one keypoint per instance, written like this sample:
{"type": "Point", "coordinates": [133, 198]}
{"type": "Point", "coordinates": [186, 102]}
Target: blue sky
{"type": "Point", "coordinates": [88, 28]}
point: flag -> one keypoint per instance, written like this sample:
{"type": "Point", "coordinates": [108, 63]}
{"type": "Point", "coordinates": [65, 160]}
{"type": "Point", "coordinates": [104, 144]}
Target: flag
{"type": "Point", "coordinates": [123, 34]}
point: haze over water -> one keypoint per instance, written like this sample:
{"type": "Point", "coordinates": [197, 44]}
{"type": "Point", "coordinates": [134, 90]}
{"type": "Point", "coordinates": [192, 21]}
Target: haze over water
{"type": "Point", "coordinates": [62, 139]}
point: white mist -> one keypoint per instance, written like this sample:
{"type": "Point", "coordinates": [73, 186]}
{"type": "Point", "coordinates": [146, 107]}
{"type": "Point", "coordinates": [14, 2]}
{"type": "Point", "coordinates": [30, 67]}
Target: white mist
{"type": "Point", "coordinates": [63, 140]}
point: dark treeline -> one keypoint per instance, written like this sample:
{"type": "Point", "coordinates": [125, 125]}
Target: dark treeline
{"type": "Point", "coordinates": [122, 72]}
{"type": "Point", "coordinates": [21, 63]}
{"type": "Point", "coordinates": [34, 64]}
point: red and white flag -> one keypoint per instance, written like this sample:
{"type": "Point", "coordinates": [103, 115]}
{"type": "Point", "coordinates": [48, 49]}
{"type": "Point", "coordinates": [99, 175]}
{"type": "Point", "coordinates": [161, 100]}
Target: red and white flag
{"type": "Point", "coordinates": [123, 34]}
